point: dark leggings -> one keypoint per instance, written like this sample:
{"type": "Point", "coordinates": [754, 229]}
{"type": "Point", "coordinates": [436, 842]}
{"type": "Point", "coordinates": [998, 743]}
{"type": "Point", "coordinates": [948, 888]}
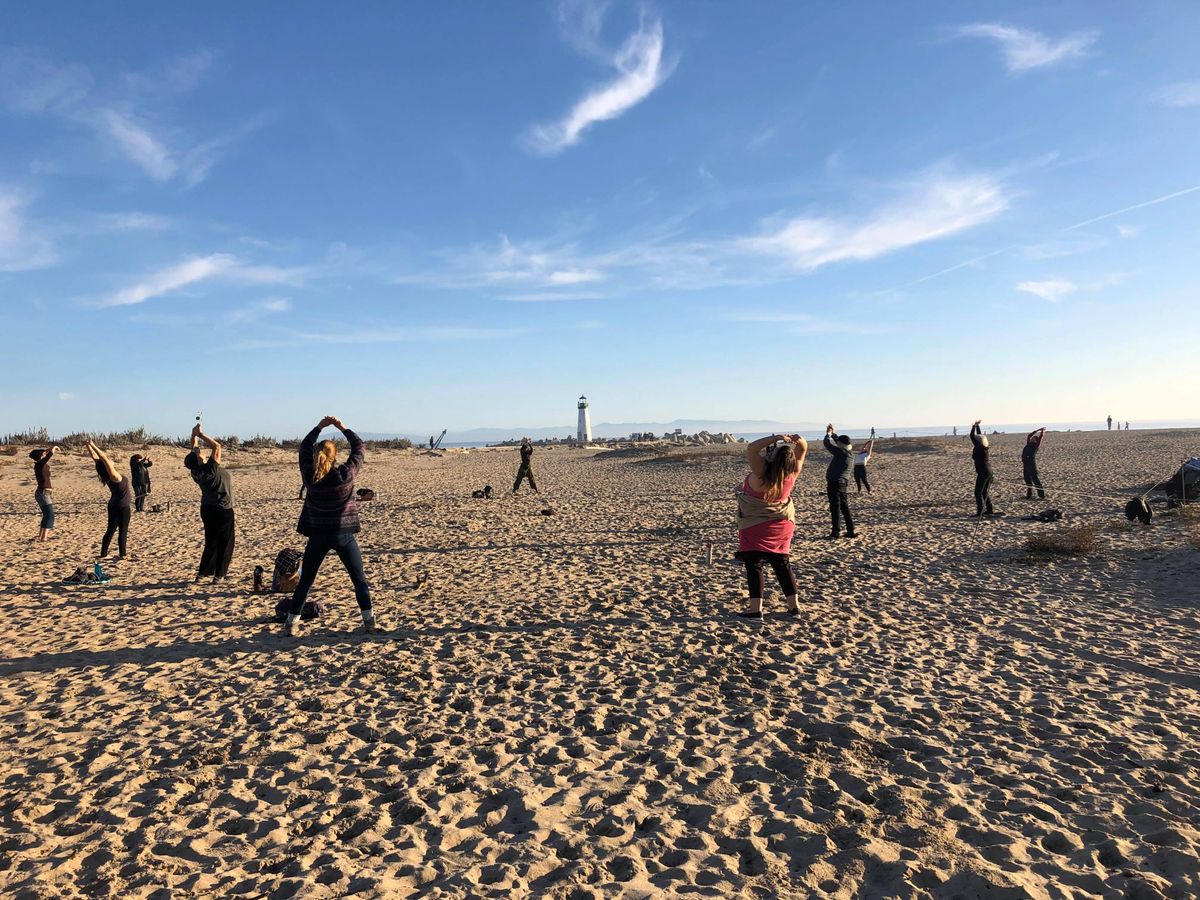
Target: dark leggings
{"type": "Point", "coordinates": [983, 492]}
{"type": "Point", "coordinates": [860, 478]}
{"type": "Point", "coordinates": [140, 499]}
{"type": "Point", "coordinates": [1031, 479]}
{"type": "Point", "coordinates": [780, 564]}
{"type": "Point", "coordinates": [526, 471]}
{"type": "Point", "coordinates": [346, 547]}
{"type": "Point", "coordinates": [218, 541]}
{"type": "Point", "coordinates": [118, 520]}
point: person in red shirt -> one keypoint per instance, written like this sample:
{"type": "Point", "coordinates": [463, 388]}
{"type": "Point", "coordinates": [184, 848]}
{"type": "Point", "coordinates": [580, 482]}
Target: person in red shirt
{"type": "Point", "coordinates": [767, 518]}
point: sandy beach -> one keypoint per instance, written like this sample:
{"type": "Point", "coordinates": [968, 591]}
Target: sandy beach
{"type": "Point", "coordinates": [567, 708]}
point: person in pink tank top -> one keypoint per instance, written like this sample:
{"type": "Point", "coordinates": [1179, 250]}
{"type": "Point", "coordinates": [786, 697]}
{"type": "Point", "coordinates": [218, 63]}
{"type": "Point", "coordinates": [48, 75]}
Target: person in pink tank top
{"type": "Point", "coordinates": [767, 518]}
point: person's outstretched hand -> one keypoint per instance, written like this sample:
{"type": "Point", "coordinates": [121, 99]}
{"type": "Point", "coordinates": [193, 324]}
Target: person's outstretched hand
{"type": "Point", "coordinates": [977, 421]}
{"type": "Point", "coordinates": [337, 423]}
{"type": "Point", "coordinates": [829, 428]}
{"type": "Point", "coordinates": [196, 432]}
{"type": "Point", "coordinates": [326, 422]}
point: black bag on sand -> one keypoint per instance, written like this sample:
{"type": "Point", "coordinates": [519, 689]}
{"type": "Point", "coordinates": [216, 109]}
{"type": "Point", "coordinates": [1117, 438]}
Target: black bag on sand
{"type": "Point", "coordinates": [284, 581]}
{"type": "Point", "coordinates": [1137, 510]}
{"type": "Point", "coordinates": [365, 494]}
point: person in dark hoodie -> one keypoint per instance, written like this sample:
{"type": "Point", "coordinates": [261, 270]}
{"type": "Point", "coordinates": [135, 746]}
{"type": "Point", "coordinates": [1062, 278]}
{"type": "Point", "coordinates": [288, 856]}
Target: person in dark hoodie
{"type": "Point", "coordinates": [526, 468]}
{"type": "Point", "coordinates": [139, 475]}
{"type": "Point", "coordinates": [837, 480]}
{"type": "Point", "coordinates": [216, 506]}
{"type": "Point", "coordinates": [120, 500]}
{"type": "Point", "coordinates": [983, 471]}
{"type": "Point", "coordinates": [329, 520]}
{"type": "Point", "coordinates": [41, 473]}
{"type": "Point", "coordinates": [1029, 464]}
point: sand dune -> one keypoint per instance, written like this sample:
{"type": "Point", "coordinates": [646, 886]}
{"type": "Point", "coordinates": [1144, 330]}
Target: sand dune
{"type": "Point", "coordinates": [567, 709]}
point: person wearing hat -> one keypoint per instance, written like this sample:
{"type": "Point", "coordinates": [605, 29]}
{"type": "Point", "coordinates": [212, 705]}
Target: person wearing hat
{"type": "Point", "coordinates": [837, 481]}
{"type": "Point", "coordinates": [526, 468]}
{"type": "Point", "coordinates": [41, 473]}
{"type": "Point", "coordinates": [983, 472]}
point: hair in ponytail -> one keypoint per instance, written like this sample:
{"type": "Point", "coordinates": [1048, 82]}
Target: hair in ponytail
{"type": "Point", "coordinates": [323, 459]}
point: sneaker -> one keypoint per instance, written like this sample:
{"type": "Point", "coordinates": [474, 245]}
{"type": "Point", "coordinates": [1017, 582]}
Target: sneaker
{"type": "Point", "coordinates": [373, 627]}
{"type": "Point", "coordinates": [833, 536]}
{"type": "Point", "coordinates": [291, 629]}
{"type": "Point", "coordinates": [851, 534]}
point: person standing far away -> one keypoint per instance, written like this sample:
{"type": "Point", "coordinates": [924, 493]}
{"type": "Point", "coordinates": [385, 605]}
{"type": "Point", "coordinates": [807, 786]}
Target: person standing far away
{"type": "Point", "coordinates": [526, 468]}
{"type": "Point", "coordinates": [983, 471]}
{"type": "Point", "coordinates": [1110, 423]}
{"type": "Point", "coordinates": [861, 458]}
{"type": "Point", "coordinates": [872, 432]}
{"type": "Point", "coordinates": [767, 517]}
{"type": "Point", "coordinates": [43, 494]}
{"type": "Point", "coordinates": [139, 474]}
{"type": "Point", "coordinates": [216, 506]}
{"type": "Point", "coordinates": [1029, 464]}
{"type": "Point", "coordinates": [329, 520]}
{"type": "Point", "coordinates": [120, 501]}
{"type": "Point", "coordinates": [837, 481]}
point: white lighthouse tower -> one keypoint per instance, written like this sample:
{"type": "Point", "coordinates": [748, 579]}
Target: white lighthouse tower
{"type": "Point", "coordinates": [584, 432]}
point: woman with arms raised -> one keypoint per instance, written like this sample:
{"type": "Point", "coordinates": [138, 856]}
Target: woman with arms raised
{"type": "Point", "coordinates": [767, 518]}
{"type": "Point", "coordinates": [45, 501]}
{"type": "Point", "coordinates": [329, 520]}
{"type": "Point", "coordinates": [216, 506]}
{"type": "Point", "coordinates": [120, 500]}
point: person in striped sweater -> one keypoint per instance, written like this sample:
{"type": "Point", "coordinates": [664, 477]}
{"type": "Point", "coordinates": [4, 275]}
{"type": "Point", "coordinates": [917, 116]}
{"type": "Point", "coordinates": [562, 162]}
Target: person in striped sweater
{"type": "Point", "coordinates": [329, 520]}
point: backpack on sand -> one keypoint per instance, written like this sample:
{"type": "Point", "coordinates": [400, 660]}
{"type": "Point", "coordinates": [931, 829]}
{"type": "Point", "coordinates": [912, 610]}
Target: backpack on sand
{"type": "Point", "coordinates": [284, 581]}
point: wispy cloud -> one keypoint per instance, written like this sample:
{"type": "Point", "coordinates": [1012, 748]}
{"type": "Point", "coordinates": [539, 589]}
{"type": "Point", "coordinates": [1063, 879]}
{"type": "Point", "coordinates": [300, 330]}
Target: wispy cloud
{"type": "Point", "coordinates": [261, 309]}
{"type": "Point", "coordinates": [1128, 209]}
{"type": "Point", "coordinates": [197, 269]}
{"type": "Point", "coordinates": [804, 323]}
{"type": "Point", "coordinates": [933, 207]}
{"type": "Point", "coordinates": [65, 396]}
{"type": "Point", "coordinates": [1053, 289]}
{"type": "Point", "coordinates": [126, 112]}
{"type": "Point", "coordinates": [640, 69]}
{"type": "Point", "coordinates": [1179, 95]}
{"type": "Point", "coordinates": [22, 246]}
{"type": "Point", "coordinates": [384, 335]}
{"type": "Point", "coordinates": [133, 221]}
{"type": "Point", "coordinates": [1128, 231]}
{"type": "Point", "coordinates": [1024, 49]}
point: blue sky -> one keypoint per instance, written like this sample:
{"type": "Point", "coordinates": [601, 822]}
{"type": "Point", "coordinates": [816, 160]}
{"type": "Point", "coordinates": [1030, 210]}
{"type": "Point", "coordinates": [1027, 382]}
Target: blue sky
{"type": "Point", "coordinates": [426, 215]}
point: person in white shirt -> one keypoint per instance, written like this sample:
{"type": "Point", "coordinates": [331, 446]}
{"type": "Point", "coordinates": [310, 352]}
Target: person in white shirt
{"type": "Point", "coordinates": [861, 458]}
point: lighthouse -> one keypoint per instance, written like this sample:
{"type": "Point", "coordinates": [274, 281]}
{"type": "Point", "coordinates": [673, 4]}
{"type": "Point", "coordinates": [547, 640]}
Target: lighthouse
{"type": "Point", "coordinates": [584, 432]}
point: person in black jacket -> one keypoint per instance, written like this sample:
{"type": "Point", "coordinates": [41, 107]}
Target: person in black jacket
{"type": "Point", "coordinates": [1029, 464]}
{"type": "Point", "coordinates": [837, 479]}
{"type": "Point", "coordinates": [526, 468]}
{"type": "Point", "coordinates": [139, 477]}
{"type": "Point", "coordinates": [983, 471]}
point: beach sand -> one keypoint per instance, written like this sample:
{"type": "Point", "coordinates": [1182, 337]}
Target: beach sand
{"type": "Point", "coordinates": [568, 709]}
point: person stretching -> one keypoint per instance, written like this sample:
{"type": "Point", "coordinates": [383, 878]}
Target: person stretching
{"type": "Point", "coordinates": [767, 517]}
{"type": "Point", "coordinates": [41, 473]}
{"type": "Point", "coordinates": [139, 474]}
{"type": "Point", "coordinates": [1029, 464]}
{"type": "Point", "coordinates": [837, 483]}
{"type": "Point", "coordinates": [526, 468]}
{"type": "Point", "coordinates": [120, 501]}
{"type": "Point", "coordinates": [329, 520]}
{"type": "Point", "coordinates": [861, 458]}
{"type": "Point", "coordinates": [983, 471]}
{"type": "Point", "coordinates": [216, 506]}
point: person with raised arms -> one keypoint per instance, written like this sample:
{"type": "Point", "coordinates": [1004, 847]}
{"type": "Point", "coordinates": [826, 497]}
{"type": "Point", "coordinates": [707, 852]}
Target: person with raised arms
{"type": "Point", "coordinates": [767, 518]}
{"type": "Point", "coordinates": [330, 521]}
{"type": "Point", "coordinates": [45, 501]}
{"type": "Point", "coordinates": [1029, 464]}
{"type": "Point", "coordinates": [216, 506]}
{"type": "Point", "coordinates": [861, 458]}
{"type": "Point", "coordinates": [837, 481]}
{"type": "Point", "coordinates": [983, 471]}
{"type": "Point", "coordinates": [120, 501]}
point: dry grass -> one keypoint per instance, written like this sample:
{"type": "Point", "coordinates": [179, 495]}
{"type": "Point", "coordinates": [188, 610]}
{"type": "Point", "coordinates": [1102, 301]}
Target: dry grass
{"type": "Point", "coordinates": [1078, 540]}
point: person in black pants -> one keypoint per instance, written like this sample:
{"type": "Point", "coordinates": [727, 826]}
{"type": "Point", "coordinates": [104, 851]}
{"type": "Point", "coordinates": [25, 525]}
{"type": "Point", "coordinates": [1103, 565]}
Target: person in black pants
{"type": "Point", "coordinates": [1029, 464]}
{"type": "Point", "coordinates": [216, 506]}
{"type": "Point", "coordinates": [837, 480]}
{"type": "Point", "coordinates": [139, 474]}
{"type": "Point", "coordinates": [983, 471]}
{"type": "Point", "coordinates": [120, 501]}
{"type": "Point", "coordinates": [526, 469]}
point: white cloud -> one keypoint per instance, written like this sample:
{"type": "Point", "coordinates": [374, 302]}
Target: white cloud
{"type": "Point", "coordinates": [1053, 289]}
{"type": "Point", "coordinates": [1179, 95]}
{"type": "Point", "coordinates": [574, 276]}
{"type": "Point", "coordinates": [133, 221]}
{"type": "Point", "coordinates": [1128, 231]}
{"type": "Point", "coordinates": [198, 269]}
{"type": "Point", "coordinates": [367, 336]}
{"type": "Point", "coordinates": [65, 395]}
{"type": "Point", "coordinates": [22, 246]}
{"type": "Point", "coordinates": [804, 323]}
{"type": "Point", "coordinates": [118, 110]}
{"type": "Point", "coordinates": [640, 69]}
{"type": "Point", "coordinates": [1024, 49]}
{"type": "Point", "coordinates": [933, 207]}
{"type": "Point", "coordinates": [261, 309]}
